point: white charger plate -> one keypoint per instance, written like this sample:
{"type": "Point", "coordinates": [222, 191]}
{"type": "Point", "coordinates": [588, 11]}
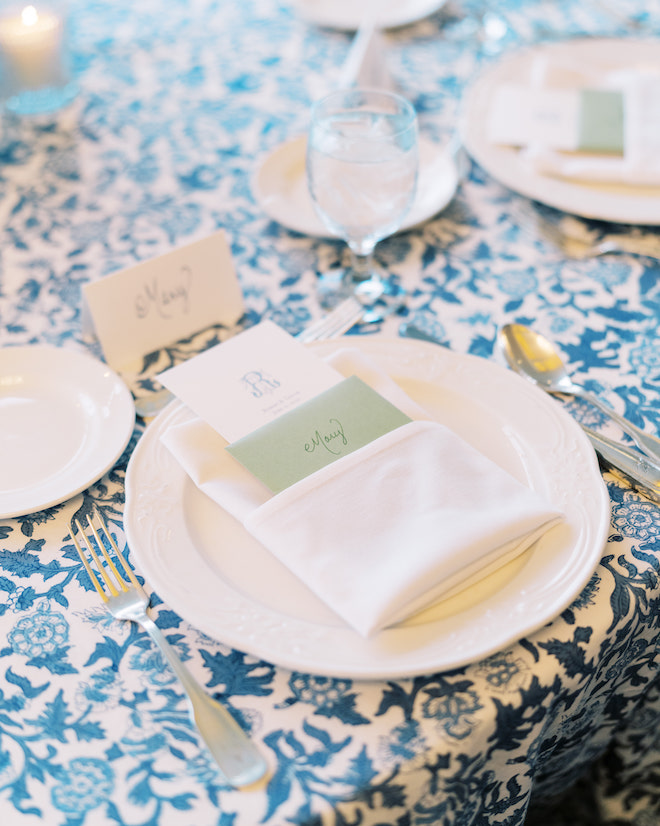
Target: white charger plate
{"type": "Point", "coordinates": [65, 419]}
{"type": "Point", "coordinates": [608, 202]}
{"type": "Point", "coordinates": [280, 187]}
{"type": "Point", "coordinates": [347, 15]}
{"type": "Point", "coordinates": [213, 573]}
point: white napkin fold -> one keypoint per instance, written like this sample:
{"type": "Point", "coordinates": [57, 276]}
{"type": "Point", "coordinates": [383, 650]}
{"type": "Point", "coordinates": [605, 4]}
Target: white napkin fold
{"type": "Point", "coordinates": [640, 163]}
{"type": "Point", "coordinates": [387, 530]}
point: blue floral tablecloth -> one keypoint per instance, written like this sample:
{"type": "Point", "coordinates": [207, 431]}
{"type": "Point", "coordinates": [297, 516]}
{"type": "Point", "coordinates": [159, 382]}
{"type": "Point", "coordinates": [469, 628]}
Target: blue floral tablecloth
{"type": "Point", "coordinates": [178, 102]}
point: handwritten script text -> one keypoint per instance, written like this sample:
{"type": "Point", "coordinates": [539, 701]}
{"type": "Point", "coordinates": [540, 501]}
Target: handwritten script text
{"type": "Point", "coordinates": [328, 440]}
{"type": "Point", "coordinates": [166, 296]}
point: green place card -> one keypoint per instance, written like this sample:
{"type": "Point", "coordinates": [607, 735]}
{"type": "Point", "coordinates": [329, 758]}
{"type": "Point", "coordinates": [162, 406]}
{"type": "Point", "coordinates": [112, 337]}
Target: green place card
{"type": "Point", "coordinates": [331, 425]}
{"type": "Point", "coordinates": [600, 127]}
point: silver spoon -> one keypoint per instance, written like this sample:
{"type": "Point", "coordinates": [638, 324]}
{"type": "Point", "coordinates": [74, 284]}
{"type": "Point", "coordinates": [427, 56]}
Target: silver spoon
{"type": "Point", "coordinates": [534, 357]}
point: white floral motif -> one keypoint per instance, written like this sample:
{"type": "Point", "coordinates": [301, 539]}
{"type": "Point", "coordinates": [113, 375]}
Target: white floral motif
{"type": "Point", "coordinates": [637, 517]}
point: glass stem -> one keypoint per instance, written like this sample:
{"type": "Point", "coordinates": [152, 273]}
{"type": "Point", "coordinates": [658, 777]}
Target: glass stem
{"type": "Point", "coordinates": [362, 266]}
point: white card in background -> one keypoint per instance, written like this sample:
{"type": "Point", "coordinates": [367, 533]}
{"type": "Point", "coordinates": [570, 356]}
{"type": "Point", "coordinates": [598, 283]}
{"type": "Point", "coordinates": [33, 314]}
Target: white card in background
{"type": "Point", "coordinates": [584, 120]}
{"type": "Point", "coordinates": [522, 116]}
{"type": "Point", "coordinates": [158, 302]}
{"type": "Point", "coordinates": [249, 380]}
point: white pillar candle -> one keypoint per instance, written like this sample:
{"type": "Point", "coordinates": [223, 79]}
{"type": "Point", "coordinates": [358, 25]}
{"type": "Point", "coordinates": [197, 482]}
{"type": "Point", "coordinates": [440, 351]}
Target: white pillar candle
{"type": "Point", "coordinates": [31, 49]}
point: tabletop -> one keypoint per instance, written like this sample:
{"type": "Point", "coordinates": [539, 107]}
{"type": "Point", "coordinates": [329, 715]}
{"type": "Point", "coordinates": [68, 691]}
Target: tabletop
{"type": "Point", "coordinates": [178, 103]}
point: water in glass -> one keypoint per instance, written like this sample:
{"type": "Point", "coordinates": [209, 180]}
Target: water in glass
{"type": "Point", "coordinates": [362, 162]}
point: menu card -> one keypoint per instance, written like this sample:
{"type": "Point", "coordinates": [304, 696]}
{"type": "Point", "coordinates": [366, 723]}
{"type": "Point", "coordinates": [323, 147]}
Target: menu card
{"type": "Point", "coordinates": [285, 412]}
{"type": "Point", "coordinates": [249, 380]}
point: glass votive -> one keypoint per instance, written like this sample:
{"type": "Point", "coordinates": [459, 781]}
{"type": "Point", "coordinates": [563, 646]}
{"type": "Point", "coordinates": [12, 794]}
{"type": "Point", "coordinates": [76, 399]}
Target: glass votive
{"type": "Point", "coordinates": [35, 72]}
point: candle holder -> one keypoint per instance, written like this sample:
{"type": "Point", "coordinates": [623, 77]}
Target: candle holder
{"type": "Point", "coordinates": [35, 71]}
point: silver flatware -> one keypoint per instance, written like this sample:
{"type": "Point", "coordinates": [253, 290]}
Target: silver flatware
{"type": "Point", "coordinates": [633, 467]}
{"type": "Point", "coordinates": [336, 322]}
{"type": "Point", "coordinates": [575, 240]}
{"type": "Point", "coordinates": [628, 464]}
{"type": "Point", "coordinates": [350, 311]}
{"type": "Point", "coordinates": [536, 358]}
{"type": "Point", "coordinates": [236, 755]}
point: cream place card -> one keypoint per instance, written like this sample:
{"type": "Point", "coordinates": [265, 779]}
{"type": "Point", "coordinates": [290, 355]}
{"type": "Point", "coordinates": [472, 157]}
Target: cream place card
{"type": "Point", "coordinates": [155, 303]}
{"type": "Point", "coordinates": [249, 380]}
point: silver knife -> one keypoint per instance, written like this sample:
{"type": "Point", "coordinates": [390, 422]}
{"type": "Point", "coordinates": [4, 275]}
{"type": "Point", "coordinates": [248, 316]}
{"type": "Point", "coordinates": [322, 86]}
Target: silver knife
{"type": "Point", "coordinates": [634, 467]}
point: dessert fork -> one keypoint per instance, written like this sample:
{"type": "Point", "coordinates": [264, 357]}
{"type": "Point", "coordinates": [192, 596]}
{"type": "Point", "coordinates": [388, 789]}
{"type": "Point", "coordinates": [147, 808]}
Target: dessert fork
{"type": "Point", "coordinates": [236, 755]}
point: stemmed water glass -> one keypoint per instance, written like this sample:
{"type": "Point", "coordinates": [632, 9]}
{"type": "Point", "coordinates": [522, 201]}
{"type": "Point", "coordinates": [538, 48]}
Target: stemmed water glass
{"type": "Point", "coordinates": [362, 162]}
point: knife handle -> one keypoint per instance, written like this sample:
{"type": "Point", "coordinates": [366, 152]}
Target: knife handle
{"type": "Point", "coordinates": [635, 468]}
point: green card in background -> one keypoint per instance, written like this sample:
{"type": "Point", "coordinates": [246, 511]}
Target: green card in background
{"type": "Point", "coordinates": [600, 127]}
{"type": "Point", "coordinates": [331, 425]}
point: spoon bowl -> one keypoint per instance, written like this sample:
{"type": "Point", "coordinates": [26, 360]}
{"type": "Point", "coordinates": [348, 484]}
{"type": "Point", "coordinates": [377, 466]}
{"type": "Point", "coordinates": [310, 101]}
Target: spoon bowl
{"type": "Point", "coordinates": [531, 355]}
{"type": "Point", "coordinates": [534, 357]}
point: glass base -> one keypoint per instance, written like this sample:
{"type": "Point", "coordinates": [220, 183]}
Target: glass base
{"type": "Point", "coordinates": [379, 296]}
{"type": "Point", "coordinates": [332, 288]}
{"type": "Point", "coordinates": [41, 101]}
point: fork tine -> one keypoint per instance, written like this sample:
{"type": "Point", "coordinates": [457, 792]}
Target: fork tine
{"type": "Point", "coordinates": [336, 322]}
{"type": "Point", "coordinates": [120, 557]}
{"type": "Point", "coordinates": [99, 564]}
{"type": "Point", "coordinates": [111, 565]}
{"type": "Point", "coordinates": [83, 558]}
{"type": "Point", "coordinates": [119, 584]}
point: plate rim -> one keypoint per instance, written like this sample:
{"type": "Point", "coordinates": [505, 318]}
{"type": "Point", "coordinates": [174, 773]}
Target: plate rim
{"type": "Point", "coordinates": [392, 22]}
{"type": "Point", "coordinates": [596, 201]}
{"type": "Point", "coordinates": [123, 420]}
{"type": "Point", "coordinates": [261, 195]}
{"type": "Point", "coordinates": [136, 519]}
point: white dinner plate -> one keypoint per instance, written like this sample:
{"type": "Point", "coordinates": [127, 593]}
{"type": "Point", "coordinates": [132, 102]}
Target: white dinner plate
{"type": "Point", "coordinates": [347, 15]}
{"type": "Point", "coordinates": [213, 573]}
{"type": "Point", "coordinates": [65, 419]}
{"type": "Point", "coordinates": [608, 202]}
{"type": "Point", "coordinates": [280, 187]}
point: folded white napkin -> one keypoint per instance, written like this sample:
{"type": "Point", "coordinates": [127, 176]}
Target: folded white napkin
{"type": "Point", "coordinates": [640, 163]}
{"type": "Point", "coordinates": [387, 530]}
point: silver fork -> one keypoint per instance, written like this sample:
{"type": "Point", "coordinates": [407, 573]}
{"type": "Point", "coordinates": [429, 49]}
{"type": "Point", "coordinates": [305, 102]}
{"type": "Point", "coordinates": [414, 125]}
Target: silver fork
{"type": "Point", "coordinates": [340, 319]}
{"type": "Point", "coordinates": [575, 240]}
{"type": "Point", "coordinates": [236, 755]}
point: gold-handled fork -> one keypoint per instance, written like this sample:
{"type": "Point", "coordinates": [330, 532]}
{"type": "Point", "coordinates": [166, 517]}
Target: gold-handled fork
{"type": "Point", "coordinates": [236, 755]}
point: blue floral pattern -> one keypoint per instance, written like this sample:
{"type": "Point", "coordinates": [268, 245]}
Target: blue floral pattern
{"type": "Point", "coordinates": [177, 104]}
{"type": "Point", "coordinates": [87, 783]}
